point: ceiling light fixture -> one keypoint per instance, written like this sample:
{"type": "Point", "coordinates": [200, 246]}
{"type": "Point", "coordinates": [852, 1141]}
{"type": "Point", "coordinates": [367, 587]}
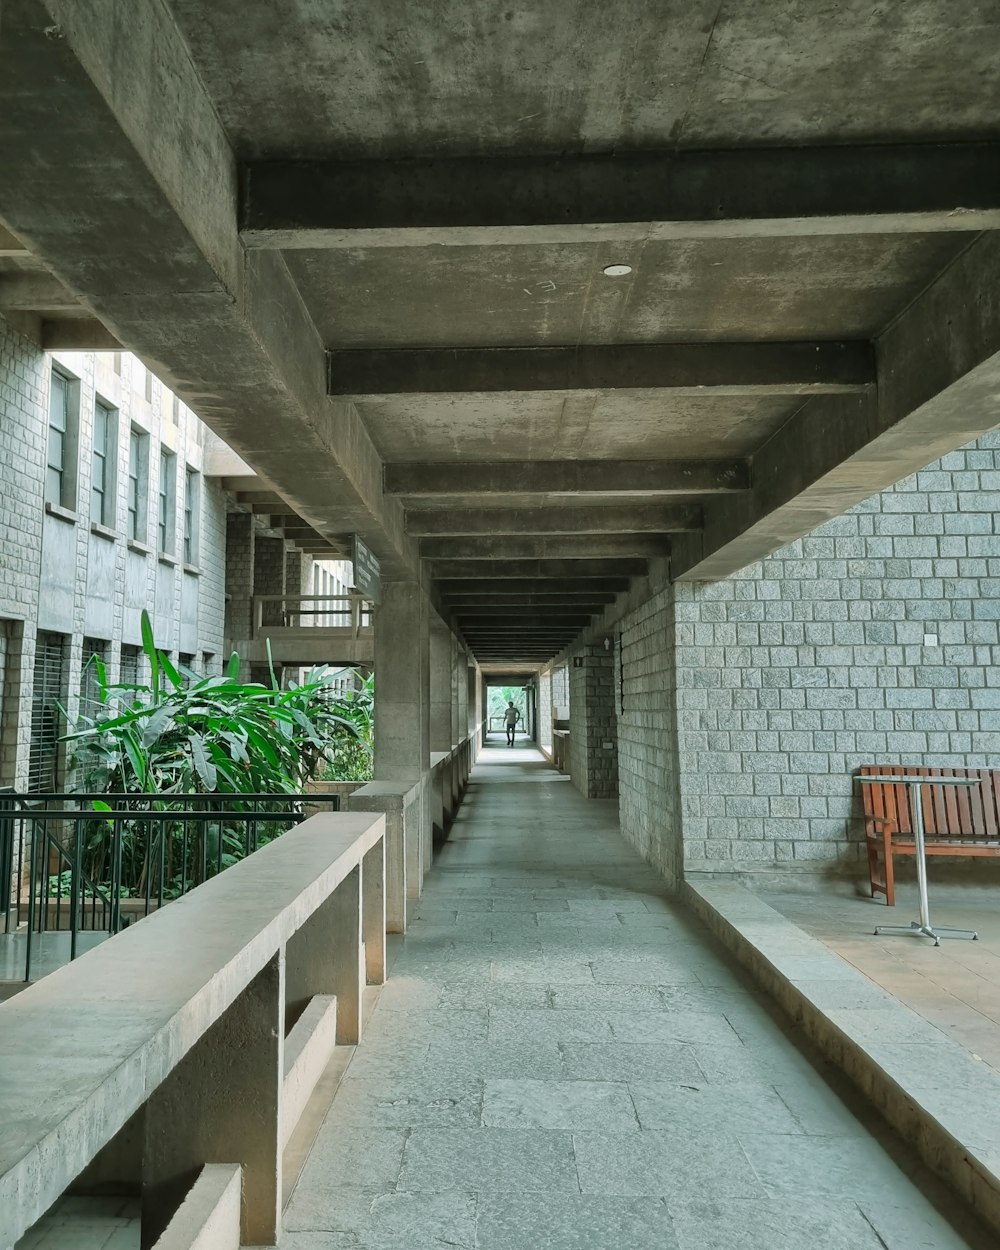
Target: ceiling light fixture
{"type": "Point", "coordinates": [617, 271]}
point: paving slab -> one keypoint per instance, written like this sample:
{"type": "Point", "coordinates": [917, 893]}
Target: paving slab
{"type": "Point", "coordinates": [633, 1087]}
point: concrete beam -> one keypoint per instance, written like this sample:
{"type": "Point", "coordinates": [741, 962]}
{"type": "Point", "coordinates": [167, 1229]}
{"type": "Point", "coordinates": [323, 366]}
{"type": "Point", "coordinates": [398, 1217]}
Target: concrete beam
{"type": "Point", "coordinates": [634, 519]}
{"type": "Point", "coordinates": [519, 570]}
{"type": "Point", "coordinates": [682, 368]}
{"type": "Point", "coordinates": [10, 246]}
{"type": "Point", "coordinates": [34, 291]}
{"type": "Point", "coordinates": [502, 612]}
{"type": "Point", "coordinates": [746, 193]}
{"type": "Point", "coordinates": [580, 602]}
{"type": "Point", "coordinates": [939, 375]}
{"type": "Point", "coordinates": [481, 583]}
{"type": "Point", "coordinates": [567, 477]}
{"type": "Point", "coordinates": [530, 547]}
{"type": "Point", "coordinates": [119, 178]}
{"type": "Point", "coordinates": [77, 334]}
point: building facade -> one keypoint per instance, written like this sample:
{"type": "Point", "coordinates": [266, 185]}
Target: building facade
{"type": "Point", "coordinates": [106, 510]}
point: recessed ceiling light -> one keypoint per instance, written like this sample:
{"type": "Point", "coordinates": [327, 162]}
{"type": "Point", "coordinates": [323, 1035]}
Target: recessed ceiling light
{"type": "Point", "coordinates": [617, 271]}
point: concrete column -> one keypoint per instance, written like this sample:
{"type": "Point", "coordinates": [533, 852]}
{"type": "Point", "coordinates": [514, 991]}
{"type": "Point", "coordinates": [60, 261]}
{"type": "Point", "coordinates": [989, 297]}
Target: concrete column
{"type": "Point", "coordinates": [545, 712]}
{"type": "Point", "coordinates": [456, 722]}
{"type": "Point", "coordinates": [239, 575]}
{"type": "Point", "coordinates": [324, 956]}
{"type": "Point", "coordinates": [441, 639]}
{"type": "Point", "coordinates": [593, 742]}
{"type": "Point", "coordinates": [269, 574]}
{"type": "Point", "coordinates": [462, 680]}
{"type": "Point", "coordinates": [222, 1104]}
{"type": "Point", "coordinates": [402, 711]}
{"type": "Point", "coordinates": [373, 913]}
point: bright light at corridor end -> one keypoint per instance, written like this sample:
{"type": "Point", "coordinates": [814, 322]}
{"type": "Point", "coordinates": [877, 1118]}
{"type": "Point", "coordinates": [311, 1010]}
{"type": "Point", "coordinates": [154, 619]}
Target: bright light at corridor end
{"type": "Point", "coordinates": [616, 271]}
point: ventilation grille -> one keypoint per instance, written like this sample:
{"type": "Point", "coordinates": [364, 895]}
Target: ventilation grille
{"type": "Point", "coordinates": [49, 690]}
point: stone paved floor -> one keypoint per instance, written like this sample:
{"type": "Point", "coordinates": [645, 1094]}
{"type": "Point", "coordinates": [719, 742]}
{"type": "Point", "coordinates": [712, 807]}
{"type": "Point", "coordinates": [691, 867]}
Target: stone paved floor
{"type": "Point", "coordinates": [562, 1059]}
{"type": "Point", "coordinates": [956, 986]}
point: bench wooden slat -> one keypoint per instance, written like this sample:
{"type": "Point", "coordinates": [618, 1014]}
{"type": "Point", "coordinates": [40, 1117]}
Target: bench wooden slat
{"type": "Point", "coordinates": [958, 820]}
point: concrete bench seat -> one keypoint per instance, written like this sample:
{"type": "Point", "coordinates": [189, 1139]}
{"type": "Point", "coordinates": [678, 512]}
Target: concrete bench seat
{"type": "Point", "coordinates": [161, 1050]}
{"type": "Point", "coordinates": [958, 820]}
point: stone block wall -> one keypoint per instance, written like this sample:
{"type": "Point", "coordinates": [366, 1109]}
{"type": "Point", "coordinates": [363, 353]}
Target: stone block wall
{"type": "Point", "coordinates": [649, 795]}
{"type": "Point", "coordinates": [872, 640]}
{"type": "Point", "coordinates": [593, 746]}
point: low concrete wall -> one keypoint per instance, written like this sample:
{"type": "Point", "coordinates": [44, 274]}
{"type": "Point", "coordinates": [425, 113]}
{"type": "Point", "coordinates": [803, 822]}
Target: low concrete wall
{"type": "Point", "coordinates": [308, 1049]}
{"type": "Point", "coordinates": [931, 1090]}
{"type": "Point", "coordinates": [209, 1217]}
{"type": "Point", "coordinates": [177, 1028]}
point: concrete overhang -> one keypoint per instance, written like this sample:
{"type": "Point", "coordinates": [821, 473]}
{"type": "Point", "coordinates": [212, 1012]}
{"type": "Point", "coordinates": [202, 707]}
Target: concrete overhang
{"type": "Point", "coordinates": [502, 301]}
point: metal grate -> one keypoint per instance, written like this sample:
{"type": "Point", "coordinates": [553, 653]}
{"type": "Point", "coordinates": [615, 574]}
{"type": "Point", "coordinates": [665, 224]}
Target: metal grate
{"type": "Point", "coordinates": [48, 691]}
{"type": "Point", "coordinates": [128, 673]}
{"type": "Point", "coordinates": [90, 691]}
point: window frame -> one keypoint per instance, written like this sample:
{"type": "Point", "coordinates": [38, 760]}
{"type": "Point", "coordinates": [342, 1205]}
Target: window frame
{"type": "Point", "coordinates": [166, 504]}
{"type": "Point", "coordinates": [104, 460]}
{"type": "Point", "coordinates": [137, 489]}
{"type": "Point", "coordinates": [192, 515]}
{"type": "Point", "coordinates": [65, 483]}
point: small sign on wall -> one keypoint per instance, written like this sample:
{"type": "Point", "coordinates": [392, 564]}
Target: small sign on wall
{"type": "Point", "coordinates": [366, 570]}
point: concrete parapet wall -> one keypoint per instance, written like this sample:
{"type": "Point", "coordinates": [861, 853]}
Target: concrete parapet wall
{"type": "Point", "coordinates": [209, 1217]}
{"type": "Point", "coordinates": [934, 1092]}
{"type": "Point", "coordinates": [193, 1067]}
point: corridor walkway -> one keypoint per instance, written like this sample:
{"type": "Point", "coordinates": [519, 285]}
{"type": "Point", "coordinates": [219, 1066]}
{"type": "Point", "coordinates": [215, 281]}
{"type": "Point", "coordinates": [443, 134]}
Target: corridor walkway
{"type": "Point", "coordinates": [561, 1059]}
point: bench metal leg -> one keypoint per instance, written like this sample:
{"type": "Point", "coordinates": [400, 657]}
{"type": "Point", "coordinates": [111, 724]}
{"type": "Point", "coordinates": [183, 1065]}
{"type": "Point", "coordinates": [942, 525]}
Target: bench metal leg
{"type": "Point", "coordinates": [923, 927]}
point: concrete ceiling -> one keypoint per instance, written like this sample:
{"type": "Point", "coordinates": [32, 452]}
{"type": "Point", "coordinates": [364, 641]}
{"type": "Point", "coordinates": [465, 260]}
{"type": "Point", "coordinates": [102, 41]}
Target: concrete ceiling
{"type": "Point", "coordinates": [778, 289]}
{"type": "Point", "coordinates": [366, 243]}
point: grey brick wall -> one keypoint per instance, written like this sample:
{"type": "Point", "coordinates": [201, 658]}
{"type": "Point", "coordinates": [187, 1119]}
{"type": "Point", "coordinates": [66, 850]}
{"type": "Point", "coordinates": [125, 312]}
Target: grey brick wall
{"type": "Point", "coordinates": [593, 746]}
{"type": "Point", "coordinates": [788, 675]}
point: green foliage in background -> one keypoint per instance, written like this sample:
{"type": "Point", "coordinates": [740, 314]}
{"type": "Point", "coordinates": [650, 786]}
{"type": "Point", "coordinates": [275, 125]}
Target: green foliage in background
{"type": "Point", "coordinates": [351, 754]}
{"type": "Point", "coordinates": [500, 696]}
{"type": "Point", "coordinates": [182, 733]}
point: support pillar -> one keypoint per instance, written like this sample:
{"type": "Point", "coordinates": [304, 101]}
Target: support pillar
{"type": "Point", "coordinates": [402, 712]}
{"type": "Point", "coordinates": [222, 1104]}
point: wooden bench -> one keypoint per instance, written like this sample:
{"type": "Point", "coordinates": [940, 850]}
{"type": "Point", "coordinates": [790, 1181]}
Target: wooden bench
{"type": "Point", "coordinates": [958, 820]}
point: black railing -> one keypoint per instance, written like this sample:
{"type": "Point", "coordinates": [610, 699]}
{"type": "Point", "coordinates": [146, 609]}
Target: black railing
{"type": "Point", "coordinates": [94, 863]}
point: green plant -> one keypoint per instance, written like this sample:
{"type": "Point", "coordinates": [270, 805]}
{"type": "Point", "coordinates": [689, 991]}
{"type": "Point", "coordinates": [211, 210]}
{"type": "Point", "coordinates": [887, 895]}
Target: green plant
{"type": "Point", "coordinates": [186, 734]}
{"type": "Point", "coordinates": [500, 696]}
{"type": "Point", "coordinates": [351, 754]}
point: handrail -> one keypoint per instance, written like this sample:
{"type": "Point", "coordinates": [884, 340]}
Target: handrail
{"type": "Point", "coordinates": [130, 856]}
{"type": "Point", "coordinates": [360, 610]}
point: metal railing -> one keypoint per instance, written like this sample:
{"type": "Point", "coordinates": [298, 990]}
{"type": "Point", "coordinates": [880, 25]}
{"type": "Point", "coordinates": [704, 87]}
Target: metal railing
{"type": "Point", "coordinates": [94, 863]}
{"type": "Point", "coordinates": [351, 612]}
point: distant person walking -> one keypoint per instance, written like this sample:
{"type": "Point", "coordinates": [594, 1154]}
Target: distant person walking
{"type": "Point", "coordinates": [510, 718]}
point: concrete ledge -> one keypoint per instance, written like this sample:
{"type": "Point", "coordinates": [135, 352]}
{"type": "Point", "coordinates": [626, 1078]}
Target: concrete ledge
{"type": "Point", "coordinates": [209, 1217]}
{"type": "Point", "coordinates": [940, 1099]}
{"type": "Point", "coordinates": [308, 1049]}
{"type": "Point", "coordinates": [399, 801]}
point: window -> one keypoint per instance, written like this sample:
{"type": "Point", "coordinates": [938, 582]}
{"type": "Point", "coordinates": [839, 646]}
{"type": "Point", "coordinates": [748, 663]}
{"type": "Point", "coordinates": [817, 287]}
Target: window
{"type": "Point", "coordinates": [60, 479]}
{"type": "Point", "coordinates": [47, 692]}
{"type": "Point", "coordinates": [149, 385]}
{"type": "Point", "coordinates": [190, 517]}
{"type": "Point", "coordinates": [166, 517]}
{"type": "Point", "coordinates": [128, 671]}
{"type": "Point", "coordinates": [116, 362]}
{"type": "Point", "coordinates": [138, 473]}
{"type": "Point", "coordinates": [175, 409]}
{"type": "Point", "coordinates": [103, 456]}
{"type": "Point", "coordinates": [90, 687]}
